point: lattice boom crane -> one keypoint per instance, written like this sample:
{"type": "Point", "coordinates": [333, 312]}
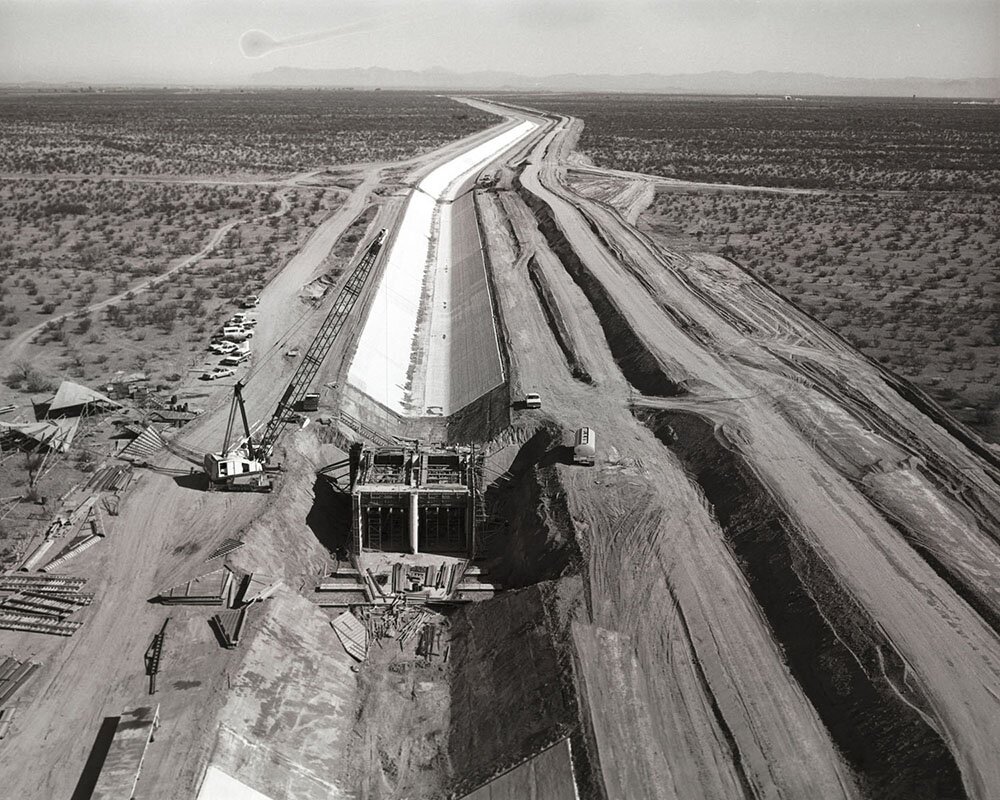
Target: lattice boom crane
{"type": "Point", "coordinates": [245, 468]}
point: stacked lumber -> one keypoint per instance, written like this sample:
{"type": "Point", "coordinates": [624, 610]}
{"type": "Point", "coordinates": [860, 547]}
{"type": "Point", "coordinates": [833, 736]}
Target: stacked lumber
{"type": "Point", "coordinates": [216, 588]}
{"type": "Point", "coordinates": [344, 588]}
{"type": "Point", "coordinates": [229, 625]}
{"type": "Point", "coordinates": [228, 546]}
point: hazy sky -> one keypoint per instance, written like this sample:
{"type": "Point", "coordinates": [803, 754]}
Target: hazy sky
{"type": "Point", "coordinates": [198, 41]}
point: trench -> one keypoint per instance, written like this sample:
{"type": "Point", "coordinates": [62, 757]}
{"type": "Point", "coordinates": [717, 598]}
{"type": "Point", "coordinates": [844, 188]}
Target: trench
{"type": "Point", "coordinates": [847, 668]}
{"type": "Point", "coordinates": [554, 318]}
{"type": "Point", "coordinates": [510, 669]}
{"type": "Point", "coordinates": [938, 470]}
{"type": "Point", "coordinates": [638, 363]}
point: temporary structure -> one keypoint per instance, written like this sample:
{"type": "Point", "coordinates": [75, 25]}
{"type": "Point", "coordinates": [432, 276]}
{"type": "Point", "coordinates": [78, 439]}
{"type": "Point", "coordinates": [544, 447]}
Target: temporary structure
{"type": "Point", "coordinates": [54, 435]}
{"type": "Point", "coordinates": [73, 400]}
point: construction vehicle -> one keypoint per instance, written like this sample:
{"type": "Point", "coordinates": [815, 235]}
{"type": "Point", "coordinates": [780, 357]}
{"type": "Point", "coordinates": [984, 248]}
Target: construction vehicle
{"type": "Point", "coordinates": [585, 447]}
{"type": "Point", "coordinates": [243, 464]}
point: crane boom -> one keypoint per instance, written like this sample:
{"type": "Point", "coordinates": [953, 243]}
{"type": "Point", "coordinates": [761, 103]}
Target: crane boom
{"type": "Point", "coordinates": [246, 467]}
{"type": "Point", "coordinates": [320, 347]}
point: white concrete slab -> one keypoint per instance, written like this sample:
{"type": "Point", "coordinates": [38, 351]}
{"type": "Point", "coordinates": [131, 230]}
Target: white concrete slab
{"type": "Point", "coordinates": [420, 253]}
{"type": "Point", "coordinates": [220, 786]}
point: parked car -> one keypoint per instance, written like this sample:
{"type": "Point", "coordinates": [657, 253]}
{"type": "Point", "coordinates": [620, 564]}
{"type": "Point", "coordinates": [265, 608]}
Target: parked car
{"type": "Point", "coordinates": [532, 400]}
{"type": "Point", "coordinates": [292, 353]}
{"type": "Point", "coordinates": [223, 348]}
{"type": "Point", "coordinates": [251, 301]}
{"type": "Point", "coordinates": [234, 334]}
{"type": "Point", "coordinates": [217, 372]}
{"type": "Point", "coordinates": [235, 359]}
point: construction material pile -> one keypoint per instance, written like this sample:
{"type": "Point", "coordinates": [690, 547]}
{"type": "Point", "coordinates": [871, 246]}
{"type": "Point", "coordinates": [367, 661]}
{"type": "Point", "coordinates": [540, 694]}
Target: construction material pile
{"type": "Point", "coordinates": [41, 603]}
{"type": "Point", "coordinates": [235, 591]}
{"type": "Point", "coordinates": [216, 588]}
{"type": "Point", "coordinates": [83, 527]}
{"type": "Point", "coordinates": [415, 583]}
{"type": "Point", "coordinates": [403, 621]}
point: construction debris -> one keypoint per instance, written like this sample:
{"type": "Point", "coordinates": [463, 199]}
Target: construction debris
{"type": "Point", "coordinates": [216, 588]}
{"type": "Point", "coordinates": [400, 620]}
{"type": "Point", "coordinates": [352, 634]}
{"type": "Point", "coordinates": [229, 625]}
{"type": "Point", "coordinates": [228, 546]}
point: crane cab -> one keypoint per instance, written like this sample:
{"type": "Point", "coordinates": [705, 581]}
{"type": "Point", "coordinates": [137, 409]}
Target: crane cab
{"type": "Point", "coordinates": [236, 471]}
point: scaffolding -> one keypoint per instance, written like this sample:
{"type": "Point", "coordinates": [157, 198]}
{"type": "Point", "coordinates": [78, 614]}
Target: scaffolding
{"type": "Point", "coordinates": [416, 500]}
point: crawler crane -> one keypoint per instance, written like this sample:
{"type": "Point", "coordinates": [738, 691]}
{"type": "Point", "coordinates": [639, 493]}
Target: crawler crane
{"type": "Point", "coordinates": [246, 466]}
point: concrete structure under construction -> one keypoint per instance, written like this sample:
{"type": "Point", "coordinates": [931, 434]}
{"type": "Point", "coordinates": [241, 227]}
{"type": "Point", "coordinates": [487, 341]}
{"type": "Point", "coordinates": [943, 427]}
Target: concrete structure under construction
{"type": "Point", "coordinates": [415, 500]}
{"type": "Point", "coordinates": [429, 345]}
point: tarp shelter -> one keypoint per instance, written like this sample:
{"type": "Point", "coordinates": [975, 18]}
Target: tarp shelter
{"type": "Point", "coordinates": [72, 400]}
{"type": "Point", "coordinates": [56, 435]}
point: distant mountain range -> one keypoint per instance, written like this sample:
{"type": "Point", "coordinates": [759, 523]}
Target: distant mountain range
{"type": "Point", "coordinates": [752, 83]}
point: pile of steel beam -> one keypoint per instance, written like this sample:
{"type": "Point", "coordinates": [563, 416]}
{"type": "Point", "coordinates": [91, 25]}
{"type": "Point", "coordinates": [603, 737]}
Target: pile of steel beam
{"type": "Point", "coordinates": [41, 603]}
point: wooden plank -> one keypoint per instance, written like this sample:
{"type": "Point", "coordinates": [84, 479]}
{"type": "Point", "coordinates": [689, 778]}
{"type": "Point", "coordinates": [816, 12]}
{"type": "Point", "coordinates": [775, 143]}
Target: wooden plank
{"type": "Point", "coordinates": [352, 635]}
